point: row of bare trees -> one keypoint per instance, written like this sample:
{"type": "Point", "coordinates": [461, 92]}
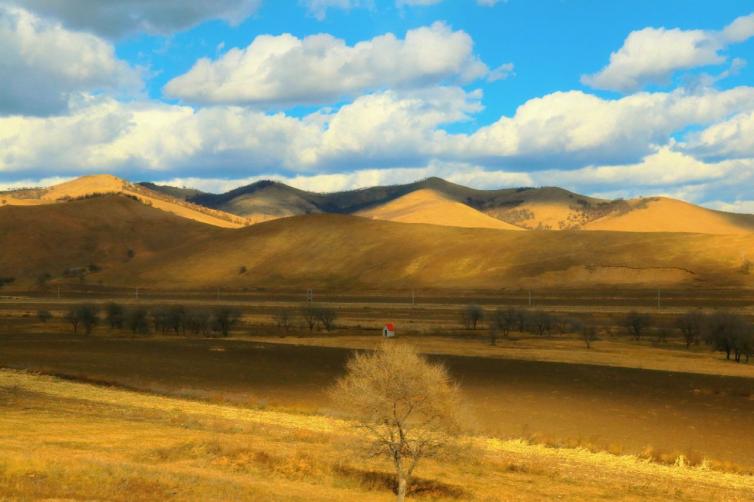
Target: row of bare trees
{"type": "Point", "coordinates": [311, 315]}
{"type": "Point", "coordinates": [173, 319]}
{"type": "Point", "coordinates": [727, 332]}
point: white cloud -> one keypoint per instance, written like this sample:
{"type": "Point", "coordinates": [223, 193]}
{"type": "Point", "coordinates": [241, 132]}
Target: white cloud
{"type": "Point", "coordinates": [402, 3]}
{"type": "Point", "coordinates": [652, 55]}
{"type": "Point", "coordinates": [113, 18]}
{"type": "Point", "coordinates": [740, 30]}
{"type": "Point", "coordinates": [733, 138]}
{"type": "Point", "coordinates": [43, 65]}
{"type": "Point", "coordinates": [488, 3]}
{"type": "Point", "coordinates": [321, 68]}
{"type": "Point", "coordinates": [572, 129]}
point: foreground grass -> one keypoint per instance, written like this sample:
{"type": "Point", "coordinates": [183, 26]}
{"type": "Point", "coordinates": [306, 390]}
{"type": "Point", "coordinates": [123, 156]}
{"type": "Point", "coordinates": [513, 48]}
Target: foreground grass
{"type": "Point", "coordinates": [62, 439]}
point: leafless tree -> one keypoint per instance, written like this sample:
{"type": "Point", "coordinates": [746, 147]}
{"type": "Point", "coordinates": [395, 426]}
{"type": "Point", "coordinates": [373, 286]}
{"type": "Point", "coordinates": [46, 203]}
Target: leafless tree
{"type": "Point", "coordinates": [637, 323]}
{"type": "Point", "coordinates": [44, 315]}
{"type": "Point", "coordinates": [501, 323]}
{"type": "Point", "coordinates": [326, 316]}
{"type": "Point", "coordinates": [309, 315]}
{"type": "Point", "coordinates": [691, 325]}
{"type": "Point", "coordinates": [471, 315]}
{"type": "Point", "coordinates": [283, 319]}
{"type": "Point", "coordinates": [407, 408]}
{"type": "Point", "coordinates": [540, 322]}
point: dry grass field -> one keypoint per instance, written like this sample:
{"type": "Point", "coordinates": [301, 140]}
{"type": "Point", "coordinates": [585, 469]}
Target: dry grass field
{"type": "Point", "coordinates": [66, 440]}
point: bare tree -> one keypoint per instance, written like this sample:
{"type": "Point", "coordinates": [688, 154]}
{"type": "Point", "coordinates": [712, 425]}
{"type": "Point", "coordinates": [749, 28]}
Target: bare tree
{"type": "Point", "coordinates": [691, 325]}
{"type": "Point", "coordinates": [502, 322]}
{"type": "Point", "coordinates": [115, 315]}
{"type": "Point", "coordinates": [407, 407]}
{"type": "Point", "coordinates": [540, 322]}
{"type": "Point", "coordinates": [283, 319]}
{"type": "Point", "coordinates": [137, 320]}
{"type": "Point", "coordinates": [309, 315]}
{"type": "Point", "coordinates": [83, 315]}
{"type": "Point", "coordinates": [224, 318]}
{"type": "Point", "coordinates": [637, 323]}
{"type": "Point", "coordinates": [729, 333]}
{"type": "Point", "coordinates": [326, 316]}
{"type": "Point", "coordinates": [471, 315]}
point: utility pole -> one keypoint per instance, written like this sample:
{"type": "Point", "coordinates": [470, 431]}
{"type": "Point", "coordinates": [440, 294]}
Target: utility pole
{"type": "Point", "coordinates": [136, 293]}
{"type": "Point", "coordinates": [413, 297]}
{"type": "Point", "coordinates": [530, 298]}
{"type": "Point", "coordinates": [659, 299]}
{"type": "Point", "coordinates": [309, 295]}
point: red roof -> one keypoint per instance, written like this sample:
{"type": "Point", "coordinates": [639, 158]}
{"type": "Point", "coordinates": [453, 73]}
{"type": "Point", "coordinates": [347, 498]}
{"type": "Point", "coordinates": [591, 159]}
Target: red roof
{"type": "Point", "coordinates": [390, 326]}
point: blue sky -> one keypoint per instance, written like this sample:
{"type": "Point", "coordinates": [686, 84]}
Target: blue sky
{"type": "Point", "coordinates": [618, 99]}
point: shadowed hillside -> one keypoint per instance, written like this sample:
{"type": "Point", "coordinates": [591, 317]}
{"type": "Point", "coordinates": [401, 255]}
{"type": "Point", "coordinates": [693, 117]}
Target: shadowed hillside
{"type": "Point", "coordinates": [104, 232]}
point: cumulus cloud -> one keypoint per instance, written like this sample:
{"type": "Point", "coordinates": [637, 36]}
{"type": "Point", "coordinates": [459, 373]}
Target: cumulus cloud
{"type": "Point", "coordinates": [573, 129]}
{"type": "Point", "coordinates": [43, 65]}
{"type": "Point", "coordinates": [381, 130]}
{"type": "Point", "coordinates": [733, 138]}
{"type": "Point", "coordinates": [284, 70]}
{"type": "Point", "coordinates": [653, 55]}
{"type": "Point", "coordinates": [119, 18]}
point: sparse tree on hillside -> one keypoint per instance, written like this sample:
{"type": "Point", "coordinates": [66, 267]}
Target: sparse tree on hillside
{"type": "Point", "coordinates": [471, 316]}
{"type": "Point", "coordinates": [406, 407]}
{"type": "Point", "coordinates": [637, 323]}
{"type": "Point", "coordinates": [691, 325]}
{"type": "Point", "coordinates": [588, 334]}
{"type": "Point", "coordinates": [115, 315]}
{"type": "Point", "coordinates": [224, 318]}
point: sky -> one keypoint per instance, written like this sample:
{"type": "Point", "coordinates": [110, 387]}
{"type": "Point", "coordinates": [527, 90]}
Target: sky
{"type": "Point", "coordinates": [613, 99]}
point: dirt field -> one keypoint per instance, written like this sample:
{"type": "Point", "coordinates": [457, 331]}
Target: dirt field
{"type": "Point", "coordinates": [619, 409]}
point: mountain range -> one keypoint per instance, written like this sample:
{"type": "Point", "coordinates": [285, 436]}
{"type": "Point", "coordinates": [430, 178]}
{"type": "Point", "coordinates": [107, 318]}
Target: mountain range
{"type": "Point", "coordinates": [104, 230]}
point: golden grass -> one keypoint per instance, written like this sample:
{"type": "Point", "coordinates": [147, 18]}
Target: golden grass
{"type": "Point", "coordinates": [431, 207]}
{"type": "Point", "coordinates": [61, 439]}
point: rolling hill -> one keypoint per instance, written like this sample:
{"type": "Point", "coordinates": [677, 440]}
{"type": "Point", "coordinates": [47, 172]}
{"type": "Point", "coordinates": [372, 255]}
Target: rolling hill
{"type": "Point", "coordinates": [545, 208]}
{"type": "Point", "coordinates": [92, 238]}
{"type": "Point", "coordinates": [100, 184]}
{"type": "Point", "coordinates": [661, 214]}
{"type": "Point", "coordinates": [428, 206]}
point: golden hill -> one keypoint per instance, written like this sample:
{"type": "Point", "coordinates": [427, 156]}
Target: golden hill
{"type": "Point", "coordinates": [429, 206]}
{"type": "Point", "coordinates": [101, 184]}
{"type": "Point", "coordinates": [337, 251]}
{"type": "Point", "coordinates": [661, 214]}
{"type": "Point", "coordinates": [348, 252]}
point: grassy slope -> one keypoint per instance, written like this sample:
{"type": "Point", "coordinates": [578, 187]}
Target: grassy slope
{"type": "Point", "coordinates": [348, 252]}
{"type": "Point", "coordinates": [100, 230]}
{"type": "Point", "coordinates": [431, 207]}
{"type": "Point", "coordinates": [61, 439]}
{"type": "Point", "coordinates": [662, 214]}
